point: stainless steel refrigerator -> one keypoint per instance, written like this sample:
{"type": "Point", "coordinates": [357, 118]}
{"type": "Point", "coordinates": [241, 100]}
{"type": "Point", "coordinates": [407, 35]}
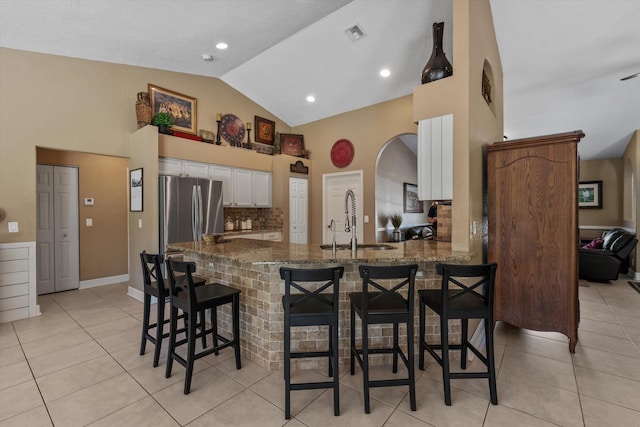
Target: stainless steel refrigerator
{"type": "Point", "coordinates": [189, 208]}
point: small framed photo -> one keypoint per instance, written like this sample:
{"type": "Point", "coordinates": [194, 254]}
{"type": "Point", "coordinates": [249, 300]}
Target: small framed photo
{"type": "Point", "coordinates": [135, 190]}
{"type": "Point", "coordinates": [183, 108]}
{"type": "Point", "coordinates": [291, 144]}
{"type": "Point", "coordinates": [590, 194]}
{"type": "Point", "coordinates": [265, 130]}
{"type": "Point", "coordinates": [411, 202]}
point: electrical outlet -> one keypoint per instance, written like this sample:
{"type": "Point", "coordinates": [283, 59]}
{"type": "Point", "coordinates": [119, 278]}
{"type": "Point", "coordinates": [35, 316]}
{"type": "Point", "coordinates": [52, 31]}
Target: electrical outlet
{"type": "Point", "coordinates": [89, 222]}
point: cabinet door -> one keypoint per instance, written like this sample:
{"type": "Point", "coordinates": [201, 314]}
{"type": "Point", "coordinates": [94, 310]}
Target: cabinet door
{"type": "Point", "coordinates": [167, 166]}
{"type": "Point", "coordinates": [261, 189]}
{"type": "Point", "coordinates": [224, 174]}
{"type": "Point", "coordinates": [435, 158]}
{"type": "Point", "coordinates": [242, 188]}
{"type": "Point", "coordinates": [195, 169]}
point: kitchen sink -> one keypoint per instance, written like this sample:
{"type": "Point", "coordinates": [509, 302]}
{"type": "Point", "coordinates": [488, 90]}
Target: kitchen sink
{"type": "Point", "coordinates": [371, 246]}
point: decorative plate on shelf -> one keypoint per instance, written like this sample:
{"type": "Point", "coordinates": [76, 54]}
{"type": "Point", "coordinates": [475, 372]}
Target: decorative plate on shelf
{"type": "Point", "coordinates": [232, 129]}
{"type": "Point", "coordinates": [342, 153]}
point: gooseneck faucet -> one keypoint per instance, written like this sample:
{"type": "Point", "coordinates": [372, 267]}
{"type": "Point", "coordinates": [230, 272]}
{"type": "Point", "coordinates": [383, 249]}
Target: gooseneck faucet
{"type": "Point", "coordinates": [332, 227]}
{"type": "Point", "coordinates": [351, 226]}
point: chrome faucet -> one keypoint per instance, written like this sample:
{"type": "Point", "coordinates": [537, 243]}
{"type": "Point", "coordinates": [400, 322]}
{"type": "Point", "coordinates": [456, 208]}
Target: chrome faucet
{"type": "Point", "coordinates": [332, 227]}
{"type": "Point", "coordinates": [351, 226]}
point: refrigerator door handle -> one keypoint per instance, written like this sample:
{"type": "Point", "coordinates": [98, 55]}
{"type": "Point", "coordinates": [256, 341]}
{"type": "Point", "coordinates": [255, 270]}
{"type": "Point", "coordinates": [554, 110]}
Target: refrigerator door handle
{"type": "Point", "coordinates": [200, 209]}
{"type": "Point", "coordinates": [194, 209]}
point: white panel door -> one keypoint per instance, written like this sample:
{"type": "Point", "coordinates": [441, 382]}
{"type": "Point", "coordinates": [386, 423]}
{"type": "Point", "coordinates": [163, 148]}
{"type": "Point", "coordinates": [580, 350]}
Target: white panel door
{"type": "Point", "coordinates": [58, 248]}
{"type": "Point", "coordinates": [335, 187]}
{"type": "Point", "coordinates": [298, 202]}
{"type": "Point", "coordinates": [45, 261]}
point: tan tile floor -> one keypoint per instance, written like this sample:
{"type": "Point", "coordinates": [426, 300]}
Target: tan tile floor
{"type": "Point", "coordinates": [78, 364]}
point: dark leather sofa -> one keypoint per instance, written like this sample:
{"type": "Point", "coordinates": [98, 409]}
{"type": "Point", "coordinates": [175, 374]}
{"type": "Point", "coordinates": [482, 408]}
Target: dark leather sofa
{"type": "Point", "coordinates": [606, 263]}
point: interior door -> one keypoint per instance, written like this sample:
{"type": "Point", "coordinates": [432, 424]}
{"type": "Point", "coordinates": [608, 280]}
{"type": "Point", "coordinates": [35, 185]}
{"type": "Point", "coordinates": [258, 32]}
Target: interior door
{"type": "Point", "coordinates": [335, 187]}
{"type": "Point", "coordinates": [298, 199]}
{"type": "Point", "coordinates": [58, 254]}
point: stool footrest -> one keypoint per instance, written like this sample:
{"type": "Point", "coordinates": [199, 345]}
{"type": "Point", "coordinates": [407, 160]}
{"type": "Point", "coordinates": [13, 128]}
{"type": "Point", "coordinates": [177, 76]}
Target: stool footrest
{"type": "Point", "coordinates": [301, 354]}
{"type": "Point", "coordinates": [312, 386]}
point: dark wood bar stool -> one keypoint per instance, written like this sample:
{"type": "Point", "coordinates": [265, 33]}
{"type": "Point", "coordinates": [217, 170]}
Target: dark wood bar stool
{"type": "Point", "coordinates": [466, 293]}
{"type": "Point", "coordinates": [155, 285]}
{"type": "Point", "coordinates": [311, 305]}
{"type": "Point", "coordinates": [377, 304]}
{"type": "Point", "coordinates": [191, 300]}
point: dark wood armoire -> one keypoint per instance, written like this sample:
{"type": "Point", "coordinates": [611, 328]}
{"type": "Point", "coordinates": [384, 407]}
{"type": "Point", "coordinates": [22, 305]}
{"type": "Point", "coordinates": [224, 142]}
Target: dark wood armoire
{"type": "Point", "coordinates": [532, 207]}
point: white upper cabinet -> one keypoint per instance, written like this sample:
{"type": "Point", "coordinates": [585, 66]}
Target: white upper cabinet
{"type": "Point", "coordinates": [224, 174]}
{"type": "Point", "coordinates": [242, 188]}
{"type": "Point", "coordinates": [261, 189]}
{"type": "Point", "coordinates": [435, 158]}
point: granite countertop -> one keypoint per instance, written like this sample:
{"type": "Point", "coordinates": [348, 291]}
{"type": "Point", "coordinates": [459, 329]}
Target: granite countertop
{"type": "Point", "coordinates": [269, 252]}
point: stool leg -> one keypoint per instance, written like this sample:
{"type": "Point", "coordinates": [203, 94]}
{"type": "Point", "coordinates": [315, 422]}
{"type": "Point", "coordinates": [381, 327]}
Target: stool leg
{"type": "Point", "coordinates": [365, 364]}
{"type": "Point", "coordinates": [159, 331]}
{"type": "Point", "coordinates": [214, 326]}
{"type": "Point", "coordinates": [172, 340]}
{"type": "Point", "coordinates": [463, 342]}
{"type": "Point", "coordinates": [352, 339]}
{"type": "Point", "coordinates": [203, 327]}
{"type": "Point", "coordinates": [331, 350]}
{"type": "Point", "coordinates": [145, 322]}
{"type": "Point", "coordinates": [421, 346]}
{"type": "Point", "coordinates": [236, 329]}
{"type": "Point", "coordinates": [191, 351]}
{"type": "Point", "coordinates": [396, 344]}
{"type": "Point", "coordinates": [334, 362]}
{"type": "Point", "coordinates": [444, 341]}
{"type": "Point", "coordinates": [287, 365]}
{"type": "Point", "coordinates": [493, 393]}
{"type": "Point", "coordinates": [411, 359]}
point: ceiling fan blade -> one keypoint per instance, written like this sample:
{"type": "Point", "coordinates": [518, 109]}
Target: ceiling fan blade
{"type": "Point", "coordinates": [630, 77]}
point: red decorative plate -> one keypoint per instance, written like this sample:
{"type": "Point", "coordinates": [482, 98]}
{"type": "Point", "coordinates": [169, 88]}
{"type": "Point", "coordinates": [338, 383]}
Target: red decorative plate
{"type": "Point", "coordinates": [342, 153]}
{"type": "Point", "coordinates": [232, 129]}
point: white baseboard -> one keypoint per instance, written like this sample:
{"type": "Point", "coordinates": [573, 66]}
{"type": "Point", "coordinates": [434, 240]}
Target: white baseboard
{"type": "Point", "coordinates": [135, 293]}
{"type": "Point", "coordinates": [85, 284]}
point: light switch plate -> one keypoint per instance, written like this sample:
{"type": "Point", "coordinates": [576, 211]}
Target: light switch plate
{"type": "Point", "coordinates": [366, 219]}
{"type": "Point", "coordinates": [13, 227]}
{"type": "Point", "coordinates": [89, 222]}
{"type": "Point", "coordinates": [88, 201]}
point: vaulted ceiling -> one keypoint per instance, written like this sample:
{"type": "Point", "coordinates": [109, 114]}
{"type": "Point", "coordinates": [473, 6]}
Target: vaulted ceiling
{"type": "Point", "coordinates": [563, 60]}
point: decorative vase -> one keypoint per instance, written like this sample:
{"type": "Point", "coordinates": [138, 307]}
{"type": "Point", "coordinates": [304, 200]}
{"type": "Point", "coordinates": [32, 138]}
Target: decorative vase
{"type": "Point", "coordinates": [438, 67]}
{"type": "Point", "coordinates": [143, 109]}
{"type": "Point", "coordinates": [165, 129]}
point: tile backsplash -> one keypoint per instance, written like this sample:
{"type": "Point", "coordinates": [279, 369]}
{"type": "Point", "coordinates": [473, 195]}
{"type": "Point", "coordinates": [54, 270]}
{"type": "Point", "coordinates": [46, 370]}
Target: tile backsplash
{"type": "Point", "coordinates": [261, 218]}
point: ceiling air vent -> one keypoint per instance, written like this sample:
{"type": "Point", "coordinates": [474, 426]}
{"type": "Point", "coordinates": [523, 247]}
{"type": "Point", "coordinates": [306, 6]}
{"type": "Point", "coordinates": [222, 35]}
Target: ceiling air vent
{"type": "Point", "coordinates": [355, 33]}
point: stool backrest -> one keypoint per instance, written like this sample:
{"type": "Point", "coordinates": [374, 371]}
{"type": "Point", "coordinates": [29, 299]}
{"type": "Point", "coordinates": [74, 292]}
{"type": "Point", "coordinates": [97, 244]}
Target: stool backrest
{"type": "Point", "coordinates": [294, 277]}
{"type": "Point", "coordinates": [184, 281]}
{"type": "Point", "coordinates": [152, 270]}
{"type": "Point", "coordinates": [479, 284]}
{"type": "Point", "coordinates": [406, 274]}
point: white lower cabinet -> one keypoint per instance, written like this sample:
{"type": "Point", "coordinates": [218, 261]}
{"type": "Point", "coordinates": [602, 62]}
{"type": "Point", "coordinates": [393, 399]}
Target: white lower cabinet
{"type": "Point", "coordinates": [242, 188]}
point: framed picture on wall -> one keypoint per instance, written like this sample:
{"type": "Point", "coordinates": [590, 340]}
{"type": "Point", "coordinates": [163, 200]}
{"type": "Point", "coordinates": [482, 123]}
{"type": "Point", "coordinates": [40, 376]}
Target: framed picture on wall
{"type": "Point", "coordinates": [590, 194]}
{"type": "Point", "coordinates": [135, 190]}
{"type": "Point", "coordinates": [410, 197]}
{"type": "Point", "coordinates": [265, 130]}
{"type": "Point", "coordinates": [181, 107]}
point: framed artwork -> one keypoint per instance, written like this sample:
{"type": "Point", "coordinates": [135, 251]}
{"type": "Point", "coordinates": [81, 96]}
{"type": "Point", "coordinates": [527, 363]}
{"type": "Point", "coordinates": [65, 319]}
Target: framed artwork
{"type": "Point", "coordinates": [135, 190]}
{"type": "Point", "coordinates": [590, 194]}
{"type": "Point", "coordinates": [411, 202]}
{"type": "Point", "coordinates": [183, 108]}
{"type": "Point", "coordinates": [265, 130]}
{"type": "Point", "coordinates": [292, 144]}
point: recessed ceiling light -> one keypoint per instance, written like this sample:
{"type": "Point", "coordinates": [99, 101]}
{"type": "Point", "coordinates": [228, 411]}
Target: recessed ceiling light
{"type": "Point", "coordinates": [207, 57]}
{"type": "Point", "coordinates": [222, 45]}
{"type": "Point", "coordinates": [311, 98]}
{"type": "Point", "coordinates": [385, 72]}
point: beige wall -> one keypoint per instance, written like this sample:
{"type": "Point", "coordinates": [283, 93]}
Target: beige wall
{"type": "Point", "coordinates": [85, 106]}
{"type": "Point", "coordinates": [610, 172]}
{"type": "Point", "coordinates": [105, 179]}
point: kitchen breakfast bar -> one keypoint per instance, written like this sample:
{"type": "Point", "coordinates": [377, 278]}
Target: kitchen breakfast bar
{"type": "Point", "coordinates": [253, 267]}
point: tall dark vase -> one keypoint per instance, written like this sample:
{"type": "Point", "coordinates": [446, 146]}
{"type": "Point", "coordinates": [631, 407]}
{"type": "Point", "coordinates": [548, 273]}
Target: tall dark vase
{"type": "Point", "coordinates": [438, 67]}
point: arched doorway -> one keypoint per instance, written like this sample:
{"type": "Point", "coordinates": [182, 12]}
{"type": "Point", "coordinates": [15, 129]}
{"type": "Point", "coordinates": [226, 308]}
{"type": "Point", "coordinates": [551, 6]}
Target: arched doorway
{"type": "Point", "coordinates": [396, 166]}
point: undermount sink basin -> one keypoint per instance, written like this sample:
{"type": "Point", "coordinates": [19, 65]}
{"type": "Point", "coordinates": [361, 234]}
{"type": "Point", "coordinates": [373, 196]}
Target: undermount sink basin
{"type": "Point", "coordinates": [371, 246]}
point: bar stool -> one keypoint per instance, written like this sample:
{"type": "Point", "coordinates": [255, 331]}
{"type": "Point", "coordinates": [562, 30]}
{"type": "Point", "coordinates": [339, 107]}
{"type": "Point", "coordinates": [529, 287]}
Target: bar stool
{"type": "Point", "coordinates": [185, 296]}
{"type": "Point", "coordinates": [459, 297]}
{"type": "Point", "coordinates": [381, 305]}
{"type": "Point", "coordinates": [311, 305]}
{"type": "Point", "coordinates": [157, 286]}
